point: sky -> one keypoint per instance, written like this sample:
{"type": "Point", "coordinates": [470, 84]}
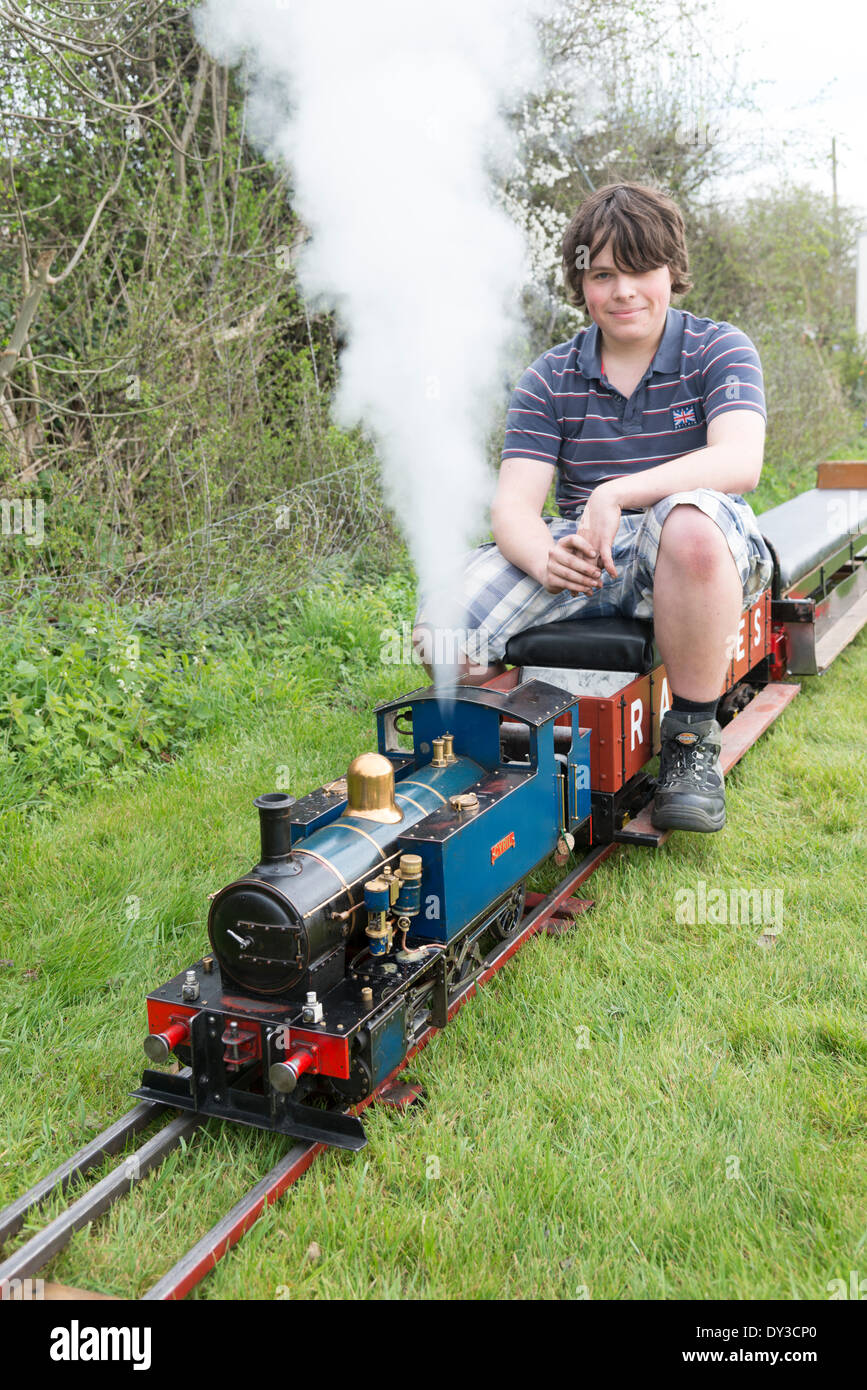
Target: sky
{"type": "Point", "coordinates": [809, 60]}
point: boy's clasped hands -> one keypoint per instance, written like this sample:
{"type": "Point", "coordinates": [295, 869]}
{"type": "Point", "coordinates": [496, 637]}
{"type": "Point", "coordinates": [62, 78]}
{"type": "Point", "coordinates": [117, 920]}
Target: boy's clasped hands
{"type": "Point", "coordinates": [576, 563]}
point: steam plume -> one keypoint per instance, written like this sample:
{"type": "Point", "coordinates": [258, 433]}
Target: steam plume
{"type": "Point", "coordinates": [390, 115]}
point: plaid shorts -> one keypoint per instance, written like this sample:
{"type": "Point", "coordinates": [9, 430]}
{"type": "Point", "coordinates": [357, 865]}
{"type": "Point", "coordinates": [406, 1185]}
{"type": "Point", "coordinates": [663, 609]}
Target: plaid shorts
{"type": "Point", "coordinates": [501, 600]}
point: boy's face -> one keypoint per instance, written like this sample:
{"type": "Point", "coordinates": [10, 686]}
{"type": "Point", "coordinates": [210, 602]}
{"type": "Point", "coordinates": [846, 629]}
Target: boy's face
{"type": "Point", "coordinates": [629, 306]}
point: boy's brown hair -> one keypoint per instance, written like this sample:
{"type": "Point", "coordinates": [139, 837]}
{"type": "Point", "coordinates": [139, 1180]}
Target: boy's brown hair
{"type": "Point", "coordinates": [645, 228]}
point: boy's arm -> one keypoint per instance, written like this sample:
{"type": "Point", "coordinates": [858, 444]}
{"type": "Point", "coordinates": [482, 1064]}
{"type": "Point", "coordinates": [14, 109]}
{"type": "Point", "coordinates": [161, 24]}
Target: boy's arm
{"type": "Point", "coordinates": [522, 536]}
{"type": "Point", "coordinates": [730, 462]}
{"type": "Point", "coordinates": [533, 441]}
{"type": "Point", "coordinates": [516, 514]}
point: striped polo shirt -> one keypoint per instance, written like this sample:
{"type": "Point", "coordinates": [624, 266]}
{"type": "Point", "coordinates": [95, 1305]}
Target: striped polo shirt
{"type": "Point", "coordinates": [565, 412]}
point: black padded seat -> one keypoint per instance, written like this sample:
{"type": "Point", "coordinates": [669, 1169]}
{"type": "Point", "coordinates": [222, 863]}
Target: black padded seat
{"type": "Point", "coordinates": [588, 644]}
{"type": "Point", "coordinates": [811, 527]}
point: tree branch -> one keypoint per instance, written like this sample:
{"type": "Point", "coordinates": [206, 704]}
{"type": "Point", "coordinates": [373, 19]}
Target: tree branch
{"type": "Point", "coordinates": [26, 314]}
{"type": "Point", "coordinates": [82, 245]}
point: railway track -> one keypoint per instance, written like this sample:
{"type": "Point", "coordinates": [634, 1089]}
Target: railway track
{"type": "Point", "coordinates": [549, 913]}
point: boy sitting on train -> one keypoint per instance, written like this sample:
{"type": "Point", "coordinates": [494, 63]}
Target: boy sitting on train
{"type": "Point", "coordinates": [654, 422]}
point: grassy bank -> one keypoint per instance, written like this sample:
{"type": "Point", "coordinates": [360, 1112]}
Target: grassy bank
{"type": "Point", "coordinates": [643, 1108]}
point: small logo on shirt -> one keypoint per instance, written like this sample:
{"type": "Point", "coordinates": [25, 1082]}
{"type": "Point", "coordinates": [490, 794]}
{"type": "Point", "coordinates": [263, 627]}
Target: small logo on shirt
{"type": "Point", "coordinates": [683, 416]}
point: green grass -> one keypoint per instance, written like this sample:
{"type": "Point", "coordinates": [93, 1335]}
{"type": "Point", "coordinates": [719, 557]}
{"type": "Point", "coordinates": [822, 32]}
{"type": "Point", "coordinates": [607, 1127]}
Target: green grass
{"type": "Point", "coordinates": [538, 1167]}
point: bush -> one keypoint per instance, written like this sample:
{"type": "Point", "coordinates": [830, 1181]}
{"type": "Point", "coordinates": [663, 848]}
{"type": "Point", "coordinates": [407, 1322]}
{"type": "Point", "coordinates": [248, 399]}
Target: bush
{"type": "Point", "coordinates": [96, 692]}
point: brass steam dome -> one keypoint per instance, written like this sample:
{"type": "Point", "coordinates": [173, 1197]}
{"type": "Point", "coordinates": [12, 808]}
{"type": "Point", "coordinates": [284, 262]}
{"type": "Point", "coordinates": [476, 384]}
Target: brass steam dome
{"type": "Point", "coordinates": [370, 789]}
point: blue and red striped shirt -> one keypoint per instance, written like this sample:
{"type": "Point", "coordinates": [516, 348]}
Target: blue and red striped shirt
{"type": "Point", "coordinates": [565, 412]}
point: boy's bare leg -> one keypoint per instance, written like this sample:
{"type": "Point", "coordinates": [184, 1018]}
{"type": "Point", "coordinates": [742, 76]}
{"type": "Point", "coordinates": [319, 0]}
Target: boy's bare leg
{"type": "Point", "coordinates": [697, 603]}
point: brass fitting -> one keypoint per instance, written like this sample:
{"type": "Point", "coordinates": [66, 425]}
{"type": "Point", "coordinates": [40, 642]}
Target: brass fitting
{"type": "Point", "coordinates": [370, 789]}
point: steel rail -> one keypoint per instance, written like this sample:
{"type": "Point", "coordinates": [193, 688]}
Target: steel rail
{"type": "Point", "coordinates": [42, 1247]}
{"type": "Point", "coordinates": [201, 1258]}
{"type": "Point", "coordinates": [192, 1267]}
{"type": "Point", "coordinates": [89, 1156]}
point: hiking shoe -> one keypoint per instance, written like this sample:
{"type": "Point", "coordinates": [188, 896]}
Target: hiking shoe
{"type": "Point", "coordinates": [690, 794]}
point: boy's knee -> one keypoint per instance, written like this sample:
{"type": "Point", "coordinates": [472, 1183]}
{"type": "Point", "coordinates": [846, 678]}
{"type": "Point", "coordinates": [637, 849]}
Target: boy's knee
{"type": "Point", "coordinates": [694, 543]}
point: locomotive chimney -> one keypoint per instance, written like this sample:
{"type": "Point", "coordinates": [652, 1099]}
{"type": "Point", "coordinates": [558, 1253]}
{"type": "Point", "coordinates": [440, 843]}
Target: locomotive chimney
{"type": "Point", "coordinates": [273, 808]}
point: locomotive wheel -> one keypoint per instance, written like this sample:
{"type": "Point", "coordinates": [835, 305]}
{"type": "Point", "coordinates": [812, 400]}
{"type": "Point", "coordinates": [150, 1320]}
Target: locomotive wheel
{"type": "Point", "coordinates": [359, 1083]}
{"type": "Point", "coordinates": [465, 962]}
{"type": "Point", "coordinates": [509, 918]}
{"type": "Point", "coordinates": [469, 952]}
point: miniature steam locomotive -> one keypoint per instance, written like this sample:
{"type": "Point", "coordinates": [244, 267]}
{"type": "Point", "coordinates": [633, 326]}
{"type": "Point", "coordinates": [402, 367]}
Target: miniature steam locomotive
{"type": "Point", "coordinates": [372, 899]}
{"type": "Point", "coordinates": [376, 898]}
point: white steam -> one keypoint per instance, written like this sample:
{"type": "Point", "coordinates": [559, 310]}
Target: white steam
{"type": "Point", "coordinates": [390, 115]}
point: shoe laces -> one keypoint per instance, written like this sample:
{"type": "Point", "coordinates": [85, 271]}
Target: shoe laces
{"type": "Point", "coordinates": [689, 760]}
